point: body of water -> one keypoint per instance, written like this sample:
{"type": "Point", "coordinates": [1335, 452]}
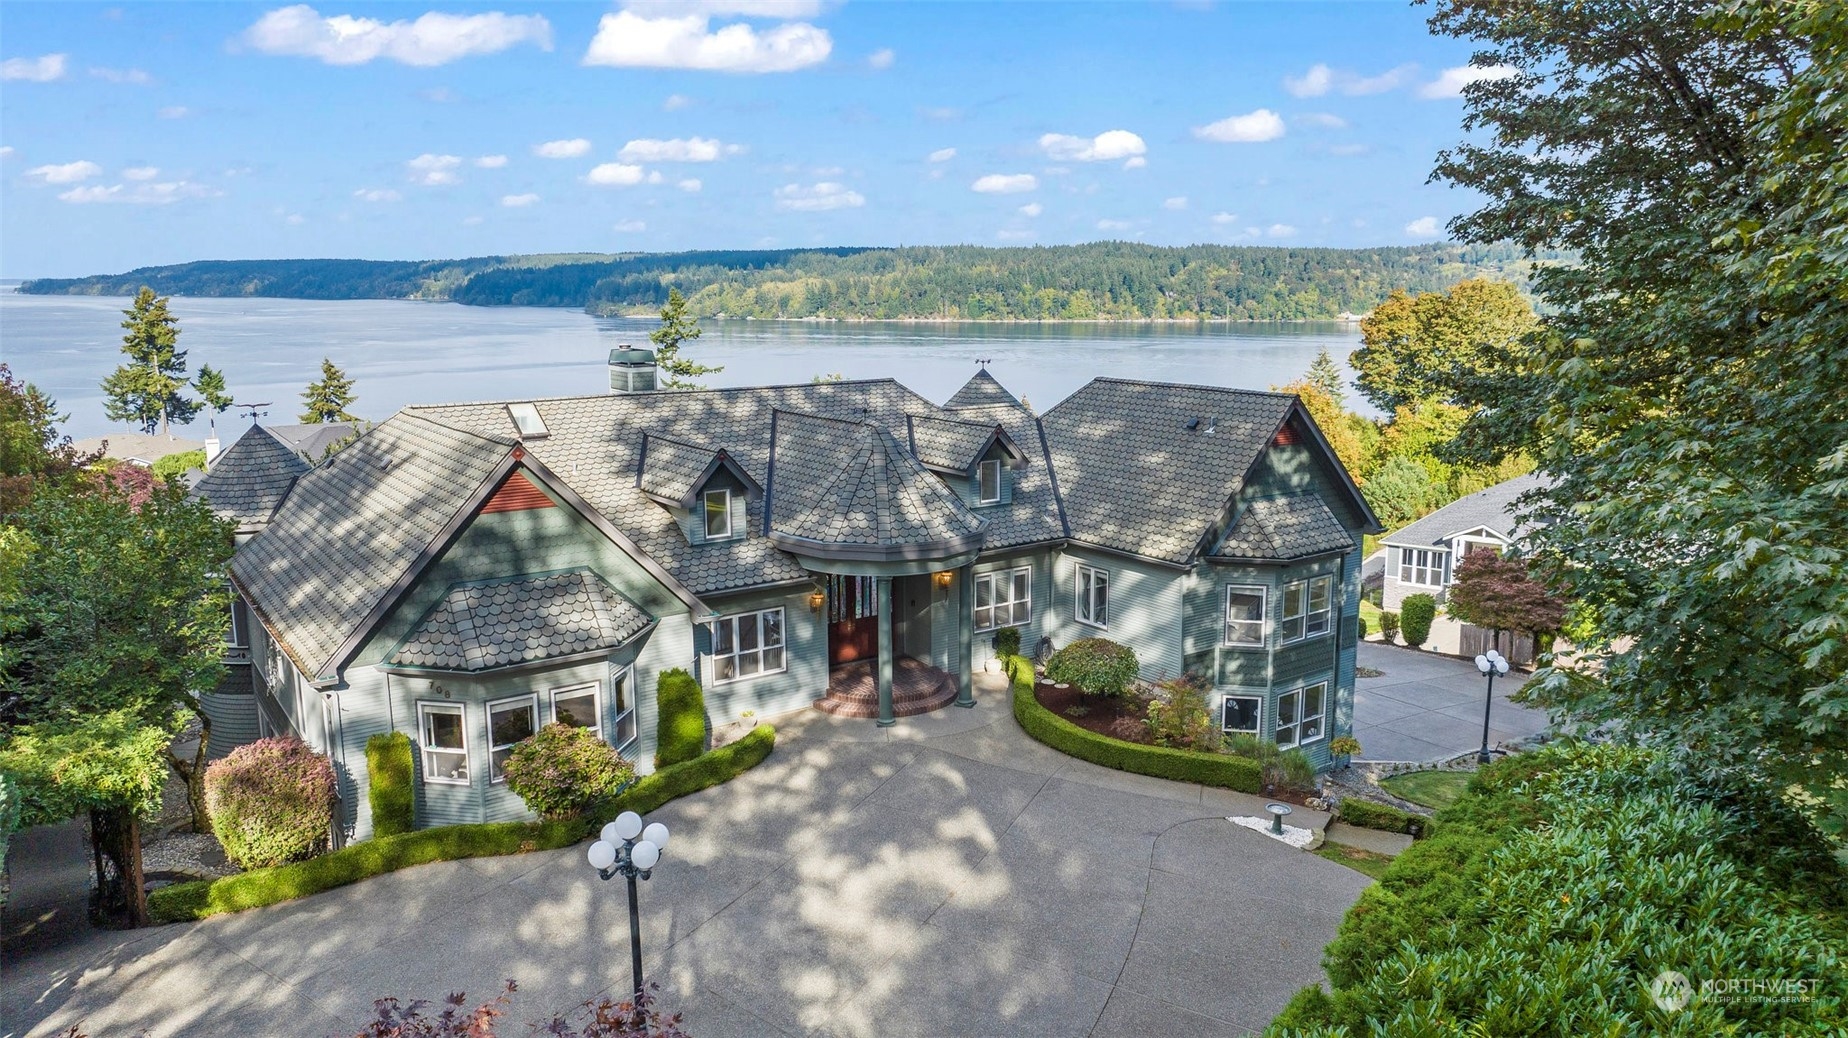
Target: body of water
{"type": "Point", "coordinates": [401, 353]}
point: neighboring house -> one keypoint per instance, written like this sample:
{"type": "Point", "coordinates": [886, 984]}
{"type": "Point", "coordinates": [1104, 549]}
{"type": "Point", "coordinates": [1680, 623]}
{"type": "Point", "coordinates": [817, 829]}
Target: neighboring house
{"type": "Point", "coordinates": [136, 448]}
{"type": "Point", "coordinates": [1421, 558]}
{"type": "Point", "coordinates": [467, 573]}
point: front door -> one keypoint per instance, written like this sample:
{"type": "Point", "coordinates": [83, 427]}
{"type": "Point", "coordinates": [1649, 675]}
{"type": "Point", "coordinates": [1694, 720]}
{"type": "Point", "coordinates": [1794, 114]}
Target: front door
{"type": "Point", "coordinates": [852, 640]}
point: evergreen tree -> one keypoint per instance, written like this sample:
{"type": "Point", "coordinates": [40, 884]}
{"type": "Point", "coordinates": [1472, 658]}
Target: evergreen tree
{"type": "Point", "coordinates": [327, 400]}
{"type": "Point", "coordinates": [677, 326]}
{"type": "Point", "coordinates": [211, 387]}
{"type": "Point", "coordinates": [150, 390]}
{"type": "Point", "coordinates": [1325, 376]}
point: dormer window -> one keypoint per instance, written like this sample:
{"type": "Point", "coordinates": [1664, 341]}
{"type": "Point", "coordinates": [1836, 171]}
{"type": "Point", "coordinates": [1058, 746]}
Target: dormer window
{"type": "Point", "coordinates": [988, 478]}
{"type": "Point", "coordinates": [718, 515]}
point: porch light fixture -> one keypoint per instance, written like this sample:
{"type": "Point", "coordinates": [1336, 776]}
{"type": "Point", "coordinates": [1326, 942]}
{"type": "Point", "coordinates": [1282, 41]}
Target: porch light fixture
{"type": "Point", "coordinates": [816, 601]}
{"type": "Point", "coordinates": [943, 580]}
{"type": "Point", "coordinates": [1490, 663]}
{"type": "Point", "coordinates": [621, 853]}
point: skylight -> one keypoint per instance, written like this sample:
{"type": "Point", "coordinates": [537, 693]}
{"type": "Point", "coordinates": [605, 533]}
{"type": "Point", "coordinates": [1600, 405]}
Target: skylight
{"type": "Point", "coordinates": [526, 419]}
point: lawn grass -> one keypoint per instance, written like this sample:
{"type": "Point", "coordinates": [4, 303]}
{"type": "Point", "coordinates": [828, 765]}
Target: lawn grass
{"type": "Point", "coordinates": [1370, 613]}
{"type": "Point", "coordinates": [1370, 863]}
{"type": "Point", "coordinates": [1433, 789]}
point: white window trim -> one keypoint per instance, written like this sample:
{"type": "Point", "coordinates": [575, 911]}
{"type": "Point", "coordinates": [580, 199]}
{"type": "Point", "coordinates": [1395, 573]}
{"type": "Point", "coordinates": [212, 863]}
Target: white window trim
{"type": "Point", "coordinates": [596, 698]}
{"type": "Point", "coordinates": [531, 699]}
{"type": "Point", "coordinates": [991, 576]}
{"type": "Point", "coordinates": [1327, 612]}
{"type": "Point", "coordinates": [624, 677]}
{"type": "Point", "coordinates": [981, 467]}
{"type": "Point", "coordinates": [705, 502]}
{"type": "Point", "coordinates": [1258, 699]}
{"type": "Point", "coordinates": [1078, 597]}
{"type": "Point", "coordinates": [424, 748]}
{"type": "Point", "coordinates": [755, 613]}
{"type": "Point", "coordinates": [1302, 718]}
{"type": "Point", "coordinates": [236, 637]}
{"type": "Point", "coordinates": [1430, 560]}
{"type": "Point", "coordinates": [1225, 627]}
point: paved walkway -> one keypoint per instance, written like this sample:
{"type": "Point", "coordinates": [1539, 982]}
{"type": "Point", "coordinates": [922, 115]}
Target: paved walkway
{"type": "Point", "coordinates": [948, 876]}
{"type": "Point", "coordinates": [1426, 707]}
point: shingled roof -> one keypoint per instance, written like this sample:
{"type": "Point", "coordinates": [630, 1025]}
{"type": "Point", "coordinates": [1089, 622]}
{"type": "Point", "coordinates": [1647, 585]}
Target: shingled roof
{"type": "Point", "coordinates": [504, 623]}
{"type": "Point", "coordinates": [1136, 478]}
{"type": "Point", "coordinates": [671, 471]}
{"type": "Point", "coordinates": [952, 445]}
{"type": "Point", "coordinates": [1492, 508]}
{"type": "Point", "coordinates": [251, 477]}
{"type": "Point", "coordinates": [981, 390]}
{"type": "Point", "coordinates": [1278, 529]}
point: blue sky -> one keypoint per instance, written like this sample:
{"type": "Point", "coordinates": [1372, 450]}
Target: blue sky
{"type": "Point", "coordinates": [159, 133]}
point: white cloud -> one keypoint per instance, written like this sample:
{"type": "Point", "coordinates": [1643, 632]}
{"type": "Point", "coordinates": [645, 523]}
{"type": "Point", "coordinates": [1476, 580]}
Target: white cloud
{"type": "Point", "coordinates": [440, 95]}
{"type": "Point", "coordinates": [629, 226]}
{"type": "Point", "coordinates": [1005, 183]}
{"type": "Point", "coordinates": [1391, 79]}
{"type": "Point", "coordinates": [1224, 218]}
{"type": "Point", "coordinates": [519, 201]}
{"type": "Point", "coordinates": [675, 102]}
{"type": "Point", "coordinates": [1032, 209]}
{"type": "Point", "coordinates": [823, 196]}
{"type": "Point", "coordinates": [1105, 147]}
{"type": "Point", "coordinates": [692, 149]}
{"type": "Point", "coordinates": [34, 70]}
{"type": "Point", "coordinates": [1424, 227]}
{"type": "Point", "coordinates": [377, 194]}
{"type": "Point", "coordinates": [1320, 79]}
{"type": "Point", "coordinates": [628, 39]}
{"type": "Point", "coordinates": [691, 184]}
{"type": "Point", "coordinates": [471, 221]}
{"type": "Point", "coordinates": [141, 173]}
{"type": "Point", "coordinates": [433, 39]}
{"type": "Point", "coordinates": [1015, 234]}
{"type": "Point", "coordinates": [122, 75]}
{"type": "Point", "coordinates": [137, 194]}
{"type": "Point", "coordinates": [655, 177]}
{"type": "Point", "coordinates": [1313, 83]}
{"type": "Point", "coordinates": [882, 58]}
{"type": "Point", "coordinates": [616, 174]}
{"type": "Point", "coordinates": [1252, 127]}
{"type": "Point", "coordinates": [942, 155]}
{"type": "Point", "coordinates": [1451, 81]}
{"type": "Point", "coordinates": [1349, 150]}
{"type": "Point", "coordinates": [1279, 230]}
{"type": "Point", "coordinates": [434, 170]}
{"type": "Point", "coordinates": [490, 161]}
{"type": "Point", "coordinates": [1325, 120]}
{"type": "Point", "coordinates": [1177, 202]}
{"type": "Point", "coordinates": [781, 10]}
{"type": "Point", "coordinates": [1113, 225]}
{"type": "Point", "coordinates": [576, 147]}
{"type": "Point", "coordinates": [174, 112]}
{"type": "Point", "coordinates": [295, 219]}
{"type": "Point", "coordinates": [6, 151]}
{"type": "Point", "coordinates": [68, 173]}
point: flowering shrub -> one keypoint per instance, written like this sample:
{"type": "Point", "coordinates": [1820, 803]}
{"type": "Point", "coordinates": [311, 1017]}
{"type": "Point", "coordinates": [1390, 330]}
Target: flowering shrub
{"type": "Point", "coordinates": [1179, 717]}
{"type": "Point", "coordinates": [270, 802]}
{"type": "Point", "coordinates": [1098, 666]}
{"type": "Point", "coordinates": [561, 771]}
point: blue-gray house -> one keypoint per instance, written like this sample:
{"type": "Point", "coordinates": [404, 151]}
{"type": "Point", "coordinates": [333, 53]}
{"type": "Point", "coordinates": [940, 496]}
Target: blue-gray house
{"type": "Point", "coordinates": [467, 573]}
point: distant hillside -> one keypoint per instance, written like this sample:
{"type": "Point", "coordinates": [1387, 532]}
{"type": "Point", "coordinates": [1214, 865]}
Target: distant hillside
{"type": "Point", "coordinates": [1097, 281]}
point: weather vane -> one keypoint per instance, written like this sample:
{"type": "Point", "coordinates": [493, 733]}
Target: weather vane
{"type": "Point", "coordinates": [250, 411]}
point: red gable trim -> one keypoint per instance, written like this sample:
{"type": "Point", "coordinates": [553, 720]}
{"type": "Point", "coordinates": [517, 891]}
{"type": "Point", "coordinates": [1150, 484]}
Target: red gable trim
{"type": "Point", "coordinates": [1286, 435]}
{"type": "Point", "coordinates": [517, 494]}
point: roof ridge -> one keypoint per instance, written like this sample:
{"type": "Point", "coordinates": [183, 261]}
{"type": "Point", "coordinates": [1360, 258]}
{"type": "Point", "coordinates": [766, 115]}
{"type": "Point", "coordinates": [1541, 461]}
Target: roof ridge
{"type": "Point", "coordinates": [620, 397]}
{"type": "Point", "coordinates": [1180, 385]}
{"type": "Point", "coordinates": [417, 413]}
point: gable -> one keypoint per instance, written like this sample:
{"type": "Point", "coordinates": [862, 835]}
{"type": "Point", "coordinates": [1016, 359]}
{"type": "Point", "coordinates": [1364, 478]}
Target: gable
{"type": "Point", "coordinates": [516, 494]}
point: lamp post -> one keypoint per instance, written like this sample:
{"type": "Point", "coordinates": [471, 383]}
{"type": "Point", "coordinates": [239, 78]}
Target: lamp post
{"type": "Point", "coordinates": [1490, 663]}
{"type": "Point", "coordinates": [621, 853]}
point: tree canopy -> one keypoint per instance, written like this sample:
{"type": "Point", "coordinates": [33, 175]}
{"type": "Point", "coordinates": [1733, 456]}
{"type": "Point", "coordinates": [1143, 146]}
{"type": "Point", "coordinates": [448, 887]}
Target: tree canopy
{"type": "Point", "coordinates": [150, 389]}
{"type": "Point", "coordinates": [328, 399]}
{"type": "Point", "coordinates": [1439, 346]}
{"type": "Point", "coordinates": [1494, 591]}
{"type": "Point", "coordinates": [677, 327]}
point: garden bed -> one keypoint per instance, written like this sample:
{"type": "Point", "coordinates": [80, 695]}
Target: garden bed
{"type": "Point", "coordinates": [1092, 713]}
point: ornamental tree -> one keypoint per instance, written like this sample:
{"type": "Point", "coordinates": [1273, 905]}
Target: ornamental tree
{"type": "Point", "coordinates": [1494, 591]}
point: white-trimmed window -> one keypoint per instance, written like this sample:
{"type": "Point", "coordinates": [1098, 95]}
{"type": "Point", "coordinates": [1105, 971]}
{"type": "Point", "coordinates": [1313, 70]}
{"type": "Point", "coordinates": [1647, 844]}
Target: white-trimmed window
{"type": "Point", "coordinates": [1306, 608]}
{"type": "Point", "coordinates": [1423, 566]}
{"type": "Point", "coordinates": [235, 636]}
{"type": "Point", "coordinates": [988, 481]}
{"type": "Point", "coordinates": [577, 707]}
{"type": "Point", "coordinates": [1245, 615]}
{"type": "Point", "coordinates": [747, 645]}
{"type": "Point", "coordinates": [1242, 714]}
{"type": "Point", "coordinates": [626, 723]}
{"type": "Point", "coordinates": [1093, 597]}
{"type": "Point", "coordinates": [510, 722]}
{"type": "Point", "coordinates": [1003, 598]}
{"type": "Point", "coordinates": [442, 730]}
{"type": "Point", "coordinates": [1299, 715]}
{"type": "Point", "coordinates": [718, 515]}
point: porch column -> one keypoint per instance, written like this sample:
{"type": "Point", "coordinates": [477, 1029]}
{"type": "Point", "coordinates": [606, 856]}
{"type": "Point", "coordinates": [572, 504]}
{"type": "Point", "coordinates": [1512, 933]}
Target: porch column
{"type": "Point", "coordinates": [965, 635]}
{"type": "Point", "coordinates": [883, 591]}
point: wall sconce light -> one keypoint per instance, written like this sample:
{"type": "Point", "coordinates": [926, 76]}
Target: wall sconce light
{"type": "Point", "coordinates": [943, 579]}
{"type": "Point", "coordinates": [816, 601]}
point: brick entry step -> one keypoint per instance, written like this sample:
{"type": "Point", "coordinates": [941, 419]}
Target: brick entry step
{"type": "Point", "coordinates": [917, 688]}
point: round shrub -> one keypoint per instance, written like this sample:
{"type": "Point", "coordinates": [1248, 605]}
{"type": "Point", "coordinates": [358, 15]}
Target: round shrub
{"type": "Point", "coordinates": [1415, 616]}
{"type": "Point", "coordinates": [1361, 624]}
{"type": "Point", "coordinates": [1098, 666]}
{"type": "Point", "coordinates": [1007, 641]}
{"type": "Point", "coordinates": [270, 802]}
{"type": "Point", "coordinates": [563, 771]}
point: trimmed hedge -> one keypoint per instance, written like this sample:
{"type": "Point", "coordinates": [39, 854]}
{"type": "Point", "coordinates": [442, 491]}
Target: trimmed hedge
{"type": "Point", "coordinates": [1384, 817]}
{"type": "Point", "coordinates": [1208, 769]}
{"type": "Point", "coordinates": [680, 719]}
{"type": "Point", "coordinates": [391, 784]}
{"type": "Point", "coordinates": [1415, 616]}
{"type": "Point", "coordinates": [186, 901]}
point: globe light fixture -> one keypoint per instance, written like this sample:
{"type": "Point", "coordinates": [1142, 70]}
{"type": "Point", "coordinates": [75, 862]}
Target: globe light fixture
{"type": "Point", "coordinates": [630, 850]}
{"type": "Point", "coordinates": [1490, 663]}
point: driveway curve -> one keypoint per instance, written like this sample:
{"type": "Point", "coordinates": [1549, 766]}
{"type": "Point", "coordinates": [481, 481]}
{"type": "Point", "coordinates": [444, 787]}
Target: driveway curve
{"type": "Point", "coordinates": [945, 877]}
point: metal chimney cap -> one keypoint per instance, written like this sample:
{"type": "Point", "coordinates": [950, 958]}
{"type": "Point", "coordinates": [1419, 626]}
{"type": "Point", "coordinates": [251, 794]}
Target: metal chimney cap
{"type": "Point", "coordinates": [626, 354]}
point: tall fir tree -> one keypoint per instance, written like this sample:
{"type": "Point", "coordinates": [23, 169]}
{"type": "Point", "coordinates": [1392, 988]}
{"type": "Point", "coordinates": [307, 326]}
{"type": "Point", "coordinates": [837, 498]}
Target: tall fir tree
{"type": "Point", "coordinates": [150, 390]}
{"type": "Point", "coordinates": [677, 326]}
{"type": "Point", "coordinates": [1325, 376]}
{"type": "Point", "coordinates": [328, 399]}
{"type": "Point", "coordinates": [211, 387]}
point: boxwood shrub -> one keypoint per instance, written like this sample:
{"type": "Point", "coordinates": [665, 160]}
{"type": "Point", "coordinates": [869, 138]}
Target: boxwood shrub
{"type": "Point", "coordinates": [391, 783]}
{"type": "Point", "coordinates": [1385, 817]}
{"type": "Point", "coordinates": [680, 719]}
{"type": "Point", "coordinates": [1208, 769]}
{"type": "Point", "coordinates": [270, 801]}
{"type": "Point", "coordinates": [1415, 616]}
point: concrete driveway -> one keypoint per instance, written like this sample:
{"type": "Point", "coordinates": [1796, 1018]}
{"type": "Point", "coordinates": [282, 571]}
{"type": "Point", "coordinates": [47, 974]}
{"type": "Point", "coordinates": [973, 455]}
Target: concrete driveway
{"type": "Point", "coordinates": [945, 877]}
{"type": "Point", "coordinates": [1425, 707]}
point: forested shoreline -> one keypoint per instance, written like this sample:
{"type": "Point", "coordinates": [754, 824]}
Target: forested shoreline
{"type": "Point", "coordinates": [1101, 281]}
